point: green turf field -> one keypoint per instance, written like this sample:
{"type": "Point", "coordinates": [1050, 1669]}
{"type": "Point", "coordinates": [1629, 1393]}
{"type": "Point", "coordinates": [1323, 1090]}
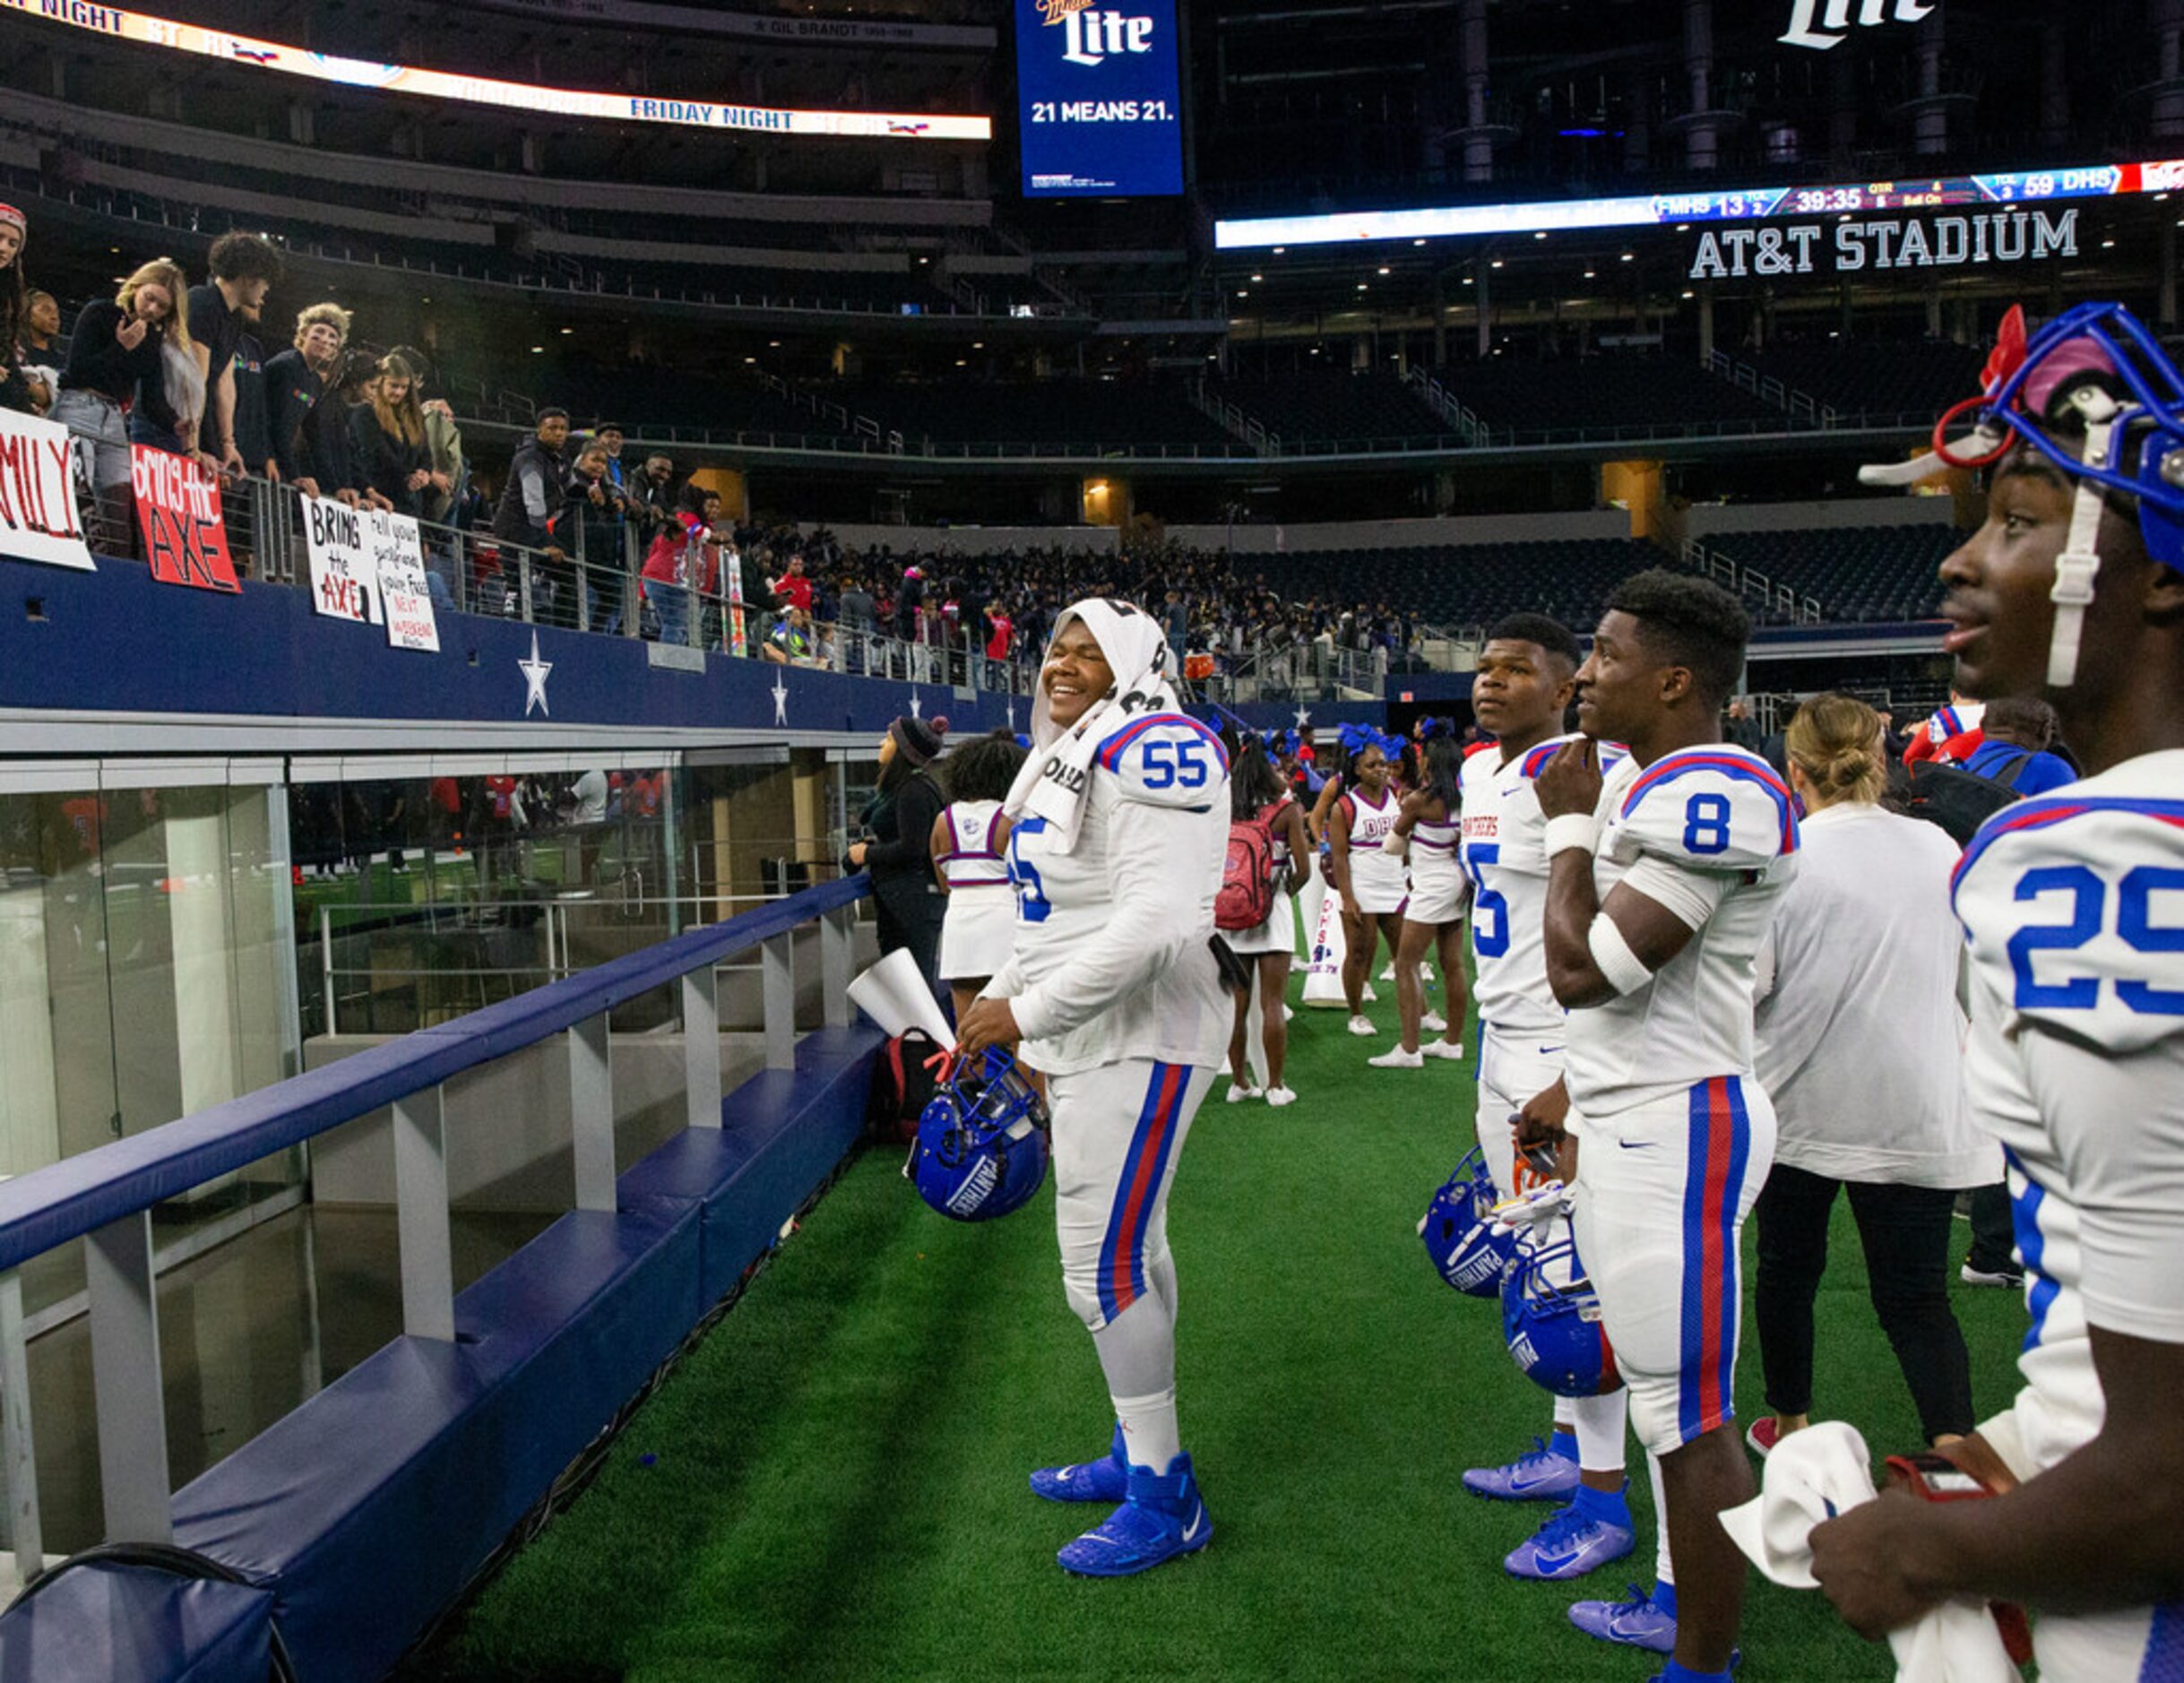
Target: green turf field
{"type": "Point", "coordinates": [833, 1485]}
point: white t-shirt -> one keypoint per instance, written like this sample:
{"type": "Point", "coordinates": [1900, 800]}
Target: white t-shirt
{"type": "Point", "coordinates": [590, 797]}
{"type": "Point", "coordinates": [1505, 855]}
{"type": "Point", "coordinates": [1721, 821]}
{"type": "Point", "coordinates": [2073, 905]}
{"type": "Point", "coordinates": [1859, 1039]}
{"type": "Point", "coordinates": [1112, 960]}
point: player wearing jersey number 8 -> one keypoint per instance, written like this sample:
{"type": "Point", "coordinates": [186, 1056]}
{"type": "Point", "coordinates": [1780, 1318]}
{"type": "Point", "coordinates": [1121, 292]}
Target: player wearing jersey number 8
{"type": "Point", "coordinates": [1688, 836]}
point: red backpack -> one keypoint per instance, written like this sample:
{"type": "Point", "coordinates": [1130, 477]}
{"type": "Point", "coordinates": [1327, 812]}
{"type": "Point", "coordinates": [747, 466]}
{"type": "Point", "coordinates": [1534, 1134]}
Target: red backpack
{"type": "Point", "coordinates": [1246, 894]}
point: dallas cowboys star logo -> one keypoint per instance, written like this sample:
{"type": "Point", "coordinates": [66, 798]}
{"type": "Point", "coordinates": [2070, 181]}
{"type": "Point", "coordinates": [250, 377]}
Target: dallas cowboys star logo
{"type": "Point", "coordinates": [534, 679]}
{"type": "Point", "coordinates": [781, 701]}
{"type": "Point", "coordinates": [1304, 717]}
{"type": "Point", "coordinates": [917, 707]}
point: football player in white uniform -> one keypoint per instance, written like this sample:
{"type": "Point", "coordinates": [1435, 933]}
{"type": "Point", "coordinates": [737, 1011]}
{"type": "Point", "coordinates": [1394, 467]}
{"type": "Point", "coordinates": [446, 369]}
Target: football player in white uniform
{"type": "Point", "coordinates": [1526, 677]}
{"type": "Point", "coordinates": [1662, 884]}
{"type": "Point", "coordinates": [2073, 905]}
{"type": "Point", "coordinates": [1120, 834]}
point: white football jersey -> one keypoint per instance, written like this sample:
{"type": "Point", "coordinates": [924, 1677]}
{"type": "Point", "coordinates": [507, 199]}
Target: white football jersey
{"type": "Point", "coordinates": [1505, 855]}
{"type": "Point", "coordinates": [1721, 814]}
{"type": "Point", "coordinates": [1111, 958]}
{"type": "Point", "coordinates": [2073, 907]}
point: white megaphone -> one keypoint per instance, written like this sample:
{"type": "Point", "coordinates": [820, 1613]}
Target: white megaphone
{"type": "Point", "coordinates": [893, 994]}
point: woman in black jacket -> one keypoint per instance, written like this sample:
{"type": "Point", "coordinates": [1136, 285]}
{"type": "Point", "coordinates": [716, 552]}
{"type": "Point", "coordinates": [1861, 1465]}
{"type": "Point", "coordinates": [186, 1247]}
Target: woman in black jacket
{"type": "Point", "coordinates": [900, 822]}
{"type": "Point", "coordinates": [388, 430]}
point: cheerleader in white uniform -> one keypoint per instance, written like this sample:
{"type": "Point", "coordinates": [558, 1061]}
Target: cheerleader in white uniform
{"type": "Point", "coordinates": [1371, 883]}
{"type": "Point", "coordinates": [969, 851]}
{"type": "Point", "coordinates": [1258, 790]}
{"type": "Point", "coordinates": [1441, 894]}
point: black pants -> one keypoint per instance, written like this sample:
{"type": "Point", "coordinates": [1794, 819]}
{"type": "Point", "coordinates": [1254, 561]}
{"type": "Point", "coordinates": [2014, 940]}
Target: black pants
{"type": "Point", "coordinates": [910, 917]}
{"type": "Point", "coordinates": [1994, 1244]}
{"type": "Point", "coordinates": [1905, 1232]}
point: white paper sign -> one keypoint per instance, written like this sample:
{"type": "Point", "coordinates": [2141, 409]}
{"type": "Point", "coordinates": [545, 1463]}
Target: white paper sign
{"type": "Point", "coordinates": [405, 595]}
{"type": "Point", "coordinates": [38, 494]}
{"type": "Point", "coordinates": [1323, 914]}
{"type": "Point", "coordinates": [344, 578]}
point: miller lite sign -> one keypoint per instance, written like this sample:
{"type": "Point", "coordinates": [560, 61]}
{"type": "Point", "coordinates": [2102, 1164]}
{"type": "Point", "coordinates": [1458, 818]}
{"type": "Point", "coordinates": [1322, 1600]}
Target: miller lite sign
{"type": "Point", "coordinates": [1098, 98]}
{"type": "Point", "coordinates": [1821, 24]}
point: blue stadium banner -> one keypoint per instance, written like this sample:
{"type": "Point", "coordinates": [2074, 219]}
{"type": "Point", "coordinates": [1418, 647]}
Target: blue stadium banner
{"type": "Point", "coordinates": [1097, 99]}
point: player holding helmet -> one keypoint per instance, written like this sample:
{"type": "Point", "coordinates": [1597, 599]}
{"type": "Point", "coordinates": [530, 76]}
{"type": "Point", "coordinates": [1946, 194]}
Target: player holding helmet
{"type": "Point", "coordinates": [1663, 879]}
{"type": "Point", "coordinates": [2073, 905]}
{"type": "Point", "coordinates": [1121, 828]}
{"type": "Point", "coordinates": [1527, 673]}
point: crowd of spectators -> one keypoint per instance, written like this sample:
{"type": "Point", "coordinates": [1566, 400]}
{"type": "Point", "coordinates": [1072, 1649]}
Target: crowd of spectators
{"type": "Point", "coordinates": [615, 543]}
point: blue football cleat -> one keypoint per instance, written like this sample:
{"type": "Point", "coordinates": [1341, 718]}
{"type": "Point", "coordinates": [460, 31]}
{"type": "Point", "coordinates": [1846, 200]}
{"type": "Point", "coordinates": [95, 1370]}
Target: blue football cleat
{"type": "Point", "coordinates": [1568, 1545]}
{"type": "Point", "coordinates": [1543, 1476]}
{"type": "Point", "coordinates": [1106, 1480]}
{"type": "Point", "coordinates": [1162, 1517]}
{"type": "Point", "coordinates": [1639, 1622]}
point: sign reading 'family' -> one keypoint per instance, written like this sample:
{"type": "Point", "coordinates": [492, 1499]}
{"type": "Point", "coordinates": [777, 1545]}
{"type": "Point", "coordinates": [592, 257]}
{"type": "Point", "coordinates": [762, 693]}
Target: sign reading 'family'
{"type": "Point", "coordinates": [1946, 242]}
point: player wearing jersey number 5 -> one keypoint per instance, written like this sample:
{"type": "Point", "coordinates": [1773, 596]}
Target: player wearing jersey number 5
{"type": "Point", "coordinates": [1662, 882]}
{"type": "Point", "coordinates": [2072, 908]}
{"type": "Point", "coordinates": [1120, 837]}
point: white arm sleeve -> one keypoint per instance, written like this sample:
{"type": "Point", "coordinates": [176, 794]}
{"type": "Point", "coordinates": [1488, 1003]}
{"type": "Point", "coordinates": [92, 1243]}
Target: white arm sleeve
{"type": "Point", "coordinates": [1156, 893]}
{"type": "Point", "coordinates": [1689, 896]}
{"type": "Point", "coordinates": [2117, 1118]}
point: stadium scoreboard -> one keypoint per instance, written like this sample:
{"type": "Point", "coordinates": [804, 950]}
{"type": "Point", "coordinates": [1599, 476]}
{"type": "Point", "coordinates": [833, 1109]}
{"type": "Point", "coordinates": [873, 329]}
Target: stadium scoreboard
{"type": "Point", "coordinates": [1099, 104]}
{"type": "Point", "coordinates": [2007, 189]}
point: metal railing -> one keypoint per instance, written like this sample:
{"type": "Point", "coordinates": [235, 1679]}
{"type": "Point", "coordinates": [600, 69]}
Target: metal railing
{"type": "Point", "coordinates": [105, 1197]}
{"type": "Point", "coordinates": [1780, 601]}
{"type": "Point", "coordinates": [580, 589]}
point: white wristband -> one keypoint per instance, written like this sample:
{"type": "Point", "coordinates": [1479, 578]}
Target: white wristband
{"type": "Point", "coordinates": [1622, 969]}
{"type": "Point", "coordinates": [1571, 830]}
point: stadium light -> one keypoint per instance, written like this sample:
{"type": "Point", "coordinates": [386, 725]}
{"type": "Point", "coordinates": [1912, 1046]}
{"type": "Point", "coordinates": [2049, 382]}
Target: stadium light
{"type": "Point", "coordinates": [245, 52]}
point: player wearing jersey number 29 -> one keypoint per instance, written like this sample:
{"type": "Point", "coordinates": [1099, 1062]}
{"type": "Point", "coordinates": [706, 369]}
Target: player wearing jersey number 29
{"type": "Point", "coordinates": [2074, 910]}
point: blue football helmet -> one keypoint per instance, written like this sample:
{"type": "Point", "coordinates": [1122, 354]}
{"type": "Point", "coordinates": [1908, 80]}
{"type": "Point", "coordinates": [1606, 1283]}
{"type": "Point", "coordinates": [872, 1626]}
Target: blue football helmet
{"type": "Point", "coordinates": [2098, 395]}
{"type": "Point", "coordinates": [1551, 1317]}
{"type": "Point", "coordinates": [1459, 1232]}
{"type": "Point", "coordinates": [982, 1148]}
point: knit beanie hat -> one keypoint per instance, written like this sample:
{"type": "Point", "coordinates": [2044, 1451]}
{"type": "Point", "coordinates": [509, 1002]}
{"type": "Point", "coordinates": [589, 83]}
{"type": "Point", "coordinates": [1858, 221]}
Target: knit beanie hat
{"type": "Point", "coordinates": [918, 740]}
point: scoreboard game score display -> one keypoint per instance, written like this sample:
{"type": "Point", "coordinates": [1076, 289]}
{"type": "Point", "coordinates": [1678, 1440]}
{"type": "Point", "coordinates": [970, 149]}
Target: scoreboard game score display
{"type": "Point", "coordinates": [1097, 101]}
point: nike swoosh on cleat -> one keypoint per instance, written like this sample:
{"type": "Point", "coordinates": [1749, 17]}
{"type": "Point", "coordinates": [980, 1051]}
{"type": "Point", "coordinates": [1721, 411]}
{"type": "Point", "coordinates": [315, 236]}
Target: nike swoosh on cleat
{"type": "Point", "coordinates": [1197, 1524]}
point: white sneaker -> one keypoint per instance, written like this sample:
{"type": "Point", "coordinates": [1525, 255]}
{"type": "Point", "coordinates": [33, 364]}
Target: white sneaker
{"type": "Point", "coordinates": [1395, 1057]}
{"type": "Point", "coordinates": [1362, 1025]}
{"type": "Point", "coordinates": [1370, 997]}
{"type": "Point", "coordinates": [1287, 1012]}
{"type": "Point", "coordinates": [1388, 975]}
{"type": "Point", "coordinates": [1238, 1094]}
{"type": "Point", "coordinates": [1279, 1096]}
{"type": "Point", "coordinates": [1434, 1022]}
{"type": "Point", "coordinates": [1452, 1050]}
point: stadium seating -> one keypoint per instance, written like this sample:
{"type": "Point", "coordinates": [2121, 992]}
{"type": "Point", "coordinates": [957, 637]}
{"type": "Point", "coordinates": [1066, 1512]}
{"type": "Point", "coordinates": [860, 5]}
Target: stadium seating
{"type": "Point", "coordinates": [1864, 574]}
{"type": "Point", "coordinates": [1603, 398]}
{"type": "Point", "coordinates": [1338, 407]}
{"type": "Point", "coordinates": [1054, 413]}
{"type": "Point", "coordinates": [1468, 584]}
{"type": "Point", "coordinates": [1877, 378]}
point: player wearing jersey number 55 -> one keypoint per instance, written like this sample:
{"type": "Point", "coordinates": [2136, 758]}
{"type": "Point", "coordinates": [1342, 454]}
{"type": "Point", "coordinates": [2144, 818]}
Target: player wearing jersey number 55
{"type": "Point", "coordinates": [1113, 987]}
{"type": "Point", "coordinates": [1662, 882]}
{"type": "Point", "coordinates": [2072, 908]}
